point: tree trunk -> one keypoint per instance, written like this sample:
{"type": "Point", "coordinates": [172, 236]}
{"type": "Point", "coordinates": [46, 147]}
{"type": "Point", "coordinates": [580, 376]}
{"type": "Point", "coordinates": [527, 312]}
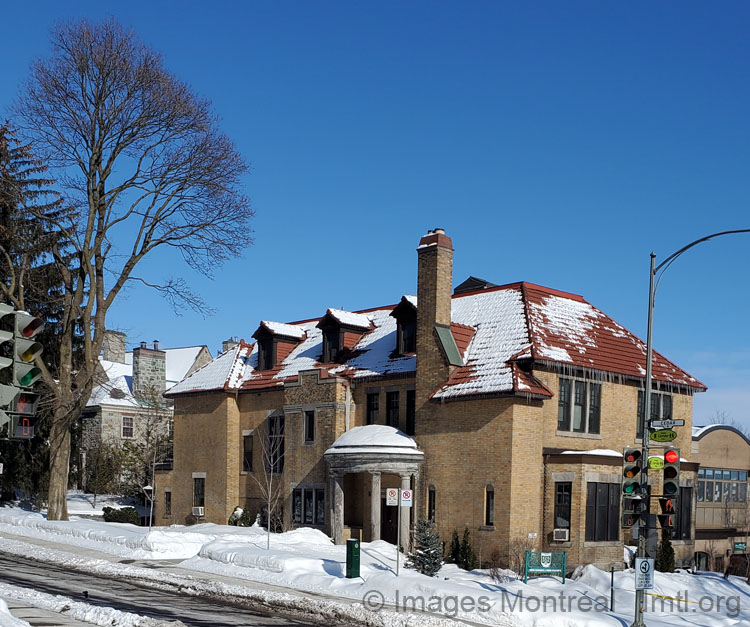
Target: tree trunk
{"type": "Point", "coordinates": [59, 456]}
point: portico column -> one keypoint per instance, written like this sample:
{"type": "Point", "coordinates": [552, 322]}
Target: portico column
{"type": "Point", "coordinates": [405, 511]}
{"type": "Point", "coordinates": [338, 509]}
{"type": "Point", "coordinates": [375, 507]}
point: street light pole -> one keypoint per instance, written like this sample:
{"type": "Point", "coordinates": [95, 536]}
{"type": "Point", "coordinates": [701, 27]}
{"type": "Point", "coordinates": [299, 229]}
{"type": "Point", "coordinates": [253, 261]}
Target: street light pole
{"type": "Point", "coordinates": [653, 283]}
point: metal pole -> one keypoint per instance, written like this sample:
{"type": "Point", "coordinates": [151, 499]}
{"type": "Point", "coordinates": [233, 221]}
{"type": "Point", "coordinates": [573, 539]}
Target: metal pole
{"type": "Point", "coordinates": [640, 595]}
{"type": "Point", "coordinates": [398, 531]}
{"type": "Point", "coordinates": [612, 589]}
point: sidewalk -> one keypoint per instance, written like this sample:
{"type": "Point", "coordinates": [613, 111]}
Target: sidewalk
{"type": "Point", "coordinates": [37, 617]}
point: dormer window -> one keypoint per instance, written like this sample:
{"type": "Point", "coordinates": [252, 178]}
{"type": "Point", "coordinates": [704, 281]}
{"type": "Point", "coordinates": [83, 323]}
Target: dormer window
{"type": "Point", "coordinates": [407, 336]}
{"type": "Point", "coordinates": [341, 332]}
{"type": "Point", "coordinates": [331, 344]}
{"type": "Point", "coordinates": [266, 356]}
{"type": "Point", "coordinates": [406, 325]}
{"type": "Point", "coordinates": [275, 341]}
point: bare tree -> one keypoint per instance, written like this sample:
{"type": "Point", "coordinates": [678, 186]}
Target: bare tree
{"type": "Point", "coordinates": [269, 480]}
{"type": "Point", "coordinates": [145, 168]}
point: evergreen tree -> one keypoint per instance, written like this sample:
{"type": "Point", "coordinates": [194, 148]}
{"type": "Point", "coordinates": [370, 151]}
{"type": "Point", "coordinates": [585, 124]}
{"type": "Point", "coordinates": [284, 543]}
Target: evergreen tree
{"type": "Point", "coordinates": [455, 549]}
{"type": "Point", "coordinates": [30, 280]}
{"type": "Point", "coordinates": [665, 555]}
{"type": "Point", "coordinates": [428, 550]}
{"type": "Point", "coordinates": [467, 556]}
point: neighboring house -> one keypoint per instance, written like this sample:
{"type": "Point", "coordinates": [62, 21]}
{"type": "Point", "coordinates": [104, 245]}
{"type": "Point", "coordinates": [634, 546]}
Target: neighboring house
{"type": "Point", "coordinates": [129, 394]}
{"type": "Point", "coordinates": [505, 409]}
{"type": "Point", "coordinates": [722, 515]}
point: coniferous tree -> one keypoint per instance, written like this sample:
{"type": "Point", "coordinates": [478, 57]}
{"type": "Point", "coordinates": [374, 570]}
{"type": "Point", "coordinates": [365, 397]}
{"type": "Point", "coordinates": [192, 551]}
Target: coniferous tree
{"type": "Point", "coordinates": [427, 557]}
{"type": "Point", "coordinates": [455, 548]}
{"type": "Point", "coordinates": [467, 556]}
{"type": "Point", "coordinates": [29, 280]}
{"type": "Point", "coordinates": [665, 554]}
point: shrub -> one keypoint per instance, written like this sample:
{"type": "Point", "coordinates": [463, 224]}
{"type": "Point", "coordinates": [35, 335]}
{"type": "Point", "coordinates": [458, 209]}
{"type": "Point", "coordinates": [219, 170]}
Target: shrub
{"type": "Point", "coordinates": [124, 515]}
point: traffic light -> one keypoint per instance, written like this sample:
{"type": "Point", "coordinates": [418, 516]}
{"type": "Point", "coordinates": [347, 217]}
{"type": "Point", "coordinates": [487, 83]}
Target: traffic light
{"type": "Point", "coordinates": [668, 513]}
{"type": "Point", "coordinates": [632, 464]}
{"type": "Point", "coordinates": [633, 507]}
{"type": "Point", "coordinates": [25, 349]}
{"type": "Point", "coordinates": [18, 350]}
{"type": "Point", "coordinates": [671, 476]}
{"type": "Point", "coordinates": [24, 419]}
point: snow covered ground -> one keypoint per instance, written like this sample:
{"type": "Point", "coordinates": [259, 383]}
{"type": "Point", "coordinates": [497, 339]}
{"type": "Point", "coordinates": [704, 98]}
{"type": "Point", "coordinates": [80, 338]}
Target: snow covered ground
{"type": "Point", "coordinates": [307, 566]}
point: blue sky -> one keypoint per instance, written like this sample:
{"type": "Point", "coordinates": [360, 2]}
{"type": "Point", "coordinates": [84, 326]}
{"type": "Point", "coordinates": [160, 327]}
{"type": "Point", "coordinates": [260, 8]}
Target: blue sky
{"type": "Point", "coordinates": [557, 143]}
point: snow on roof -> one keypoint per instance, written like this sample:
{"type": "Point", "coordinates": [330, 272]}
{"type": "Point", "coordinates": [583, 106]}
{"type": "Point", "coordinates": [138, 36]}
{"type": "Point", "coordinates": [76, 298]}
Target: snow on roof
{"type": "Point", "coordinates": [179, 361]}
{"type": "Point", "coordinates": [374, 439]}
{"type": "Point", "coordinates": [120, 375]}
{"type": "Point", "coordinates": [500, 324]}
{"type": "Point", "coordinates": [223, 372]}
{"type": "Point", "coordinates": [286, 330]}
{"type": "Point", "coordinates": [115, 392]}
{"type": "Point", "coordinates": [602, 452]}
{"type": "Point", "coordinates": [411, 298]}
{"type": "Point", "coordinates": [350, 319]}
{"type": "Point", "coordinates": [505, 324]}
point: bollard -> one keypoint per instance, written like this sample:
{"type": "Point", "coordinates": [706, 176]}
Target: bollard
{"type": "Point", "coordinates": [352, 558]}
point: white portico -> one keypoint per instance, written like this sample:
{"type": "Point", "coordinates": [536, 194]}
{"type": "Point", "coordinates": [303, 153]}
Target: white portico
{"type": "Point", "coordinates": [366, 460]}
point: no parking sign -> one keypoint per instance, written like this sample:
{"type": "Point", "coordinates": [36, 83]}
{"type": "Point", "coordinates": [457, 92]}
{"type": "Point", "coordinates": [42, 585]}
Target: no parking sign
{"type": "Point", "coordinates": [406, 498]}
{"type": "Point", "coordinates": [391, 496]}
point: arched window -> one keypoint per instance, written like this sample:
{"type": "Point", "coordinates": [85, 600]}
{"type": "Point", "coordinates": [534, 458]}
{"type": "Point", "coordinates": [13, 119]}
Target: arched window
{"type": "Point", "coordinates": [431, 504]}
{"type": "Point", "coordinates": [489, 506]}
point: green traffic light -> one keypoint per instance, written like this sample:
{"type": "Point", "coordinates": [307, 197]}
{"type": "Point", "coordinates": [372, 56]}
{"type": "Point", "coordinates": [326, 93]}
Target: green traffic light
{"type": "Point", "coordinates": [30, 377]}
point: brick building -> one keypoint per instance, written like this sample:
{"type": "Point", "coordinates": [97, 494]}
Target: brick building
{"type": "Point", "coordinates": [504, 408]}
{"type": "Point", "coordinates": [722, 516]}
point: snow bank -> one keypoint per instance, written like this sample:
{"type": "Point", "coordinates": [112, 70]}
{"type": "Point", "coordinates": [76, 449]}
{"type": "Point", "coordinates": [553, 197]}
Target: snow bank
{"type": "Point", "coordinates": [7, 619]}
{"type": "Point", "coordinates": [104, 616]}
{"type": "Point", "coordinates": [305, 562]}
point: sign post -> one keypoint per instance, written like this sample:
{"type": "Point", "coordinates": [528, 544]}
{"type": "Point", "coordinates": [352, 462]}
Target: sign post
{"type": "Point", "coordinates": [404, 500]}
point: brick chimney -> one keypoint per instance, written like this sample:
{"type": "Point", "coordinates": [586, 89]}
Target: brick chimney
{"type": "Point", "coordinates": [113, 346]}
{"type": "Point", "coordinates": [434, 286]}
{"type": "Point", "coordinates": [149, 372]}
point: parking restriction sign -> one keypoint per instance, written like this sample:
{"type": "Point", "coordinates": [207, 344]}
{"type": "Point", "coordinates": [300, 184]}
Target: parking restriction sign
{"type": "Point", "coordinates": [391, 496]}
{"type": "Point", "coordinates": [406, 496]}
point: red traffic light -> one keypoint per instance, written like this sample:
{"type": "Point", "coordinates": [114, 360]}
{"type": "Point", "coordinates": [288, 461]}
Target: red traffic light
{"type": "Point", "coordinates": [671, 456]}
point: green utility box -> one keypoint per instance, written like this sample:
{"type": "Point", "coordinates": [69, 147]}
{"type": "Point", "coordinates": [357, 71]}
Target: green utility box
{"type": "Point", "coordinates": [352, 558]}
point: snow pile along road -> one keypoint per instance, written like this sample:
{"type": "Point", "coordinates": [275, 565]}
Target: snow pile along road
{"type": "Point", "coordinates": [7, 619]}
{"type": "Point", "coordinates": [104, 616]}
{"type": "Point", "coordinates": [306, 564]}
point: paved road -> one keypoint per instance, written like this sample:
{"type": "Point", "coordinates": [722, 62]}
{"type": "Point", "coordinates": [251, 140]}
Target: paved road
{"type": "Point", "coordinates": [168, 606]}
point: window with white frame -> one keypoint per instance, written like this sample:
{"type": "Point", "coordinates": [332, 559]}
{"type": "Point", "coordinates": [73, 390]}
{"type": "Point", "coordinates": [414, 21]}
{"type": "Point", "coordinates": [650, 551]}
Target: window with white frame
{"type": "Point", "coordinates": [579, 406]}
{"type": "Point", "coordinates": [127, 426]}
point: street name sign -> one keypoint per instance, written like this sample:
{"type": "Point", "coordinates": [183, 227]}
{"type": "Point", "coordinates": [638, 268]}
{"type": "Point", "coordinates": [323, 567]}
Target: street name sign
{"type": "Point", "coordinates": [666, 424]}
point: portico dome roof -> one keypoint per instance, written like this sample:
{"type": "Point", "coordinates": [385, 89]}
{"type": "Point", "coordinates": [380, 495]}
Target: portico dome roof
{"type": "Point", "coordinates": [374, 439]}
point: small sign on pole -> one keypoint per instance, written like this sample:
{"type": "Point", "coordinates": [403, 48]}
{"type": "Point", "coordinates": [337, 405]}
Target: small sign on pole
{"type": "Point", "coordinates": [644, 573]}
{"type": "Point", "coordinates": [739, 547]}
{"type": "Point", "coordinates": [406, 498]}
{"type": "Point", "coordinates": [391, 496]}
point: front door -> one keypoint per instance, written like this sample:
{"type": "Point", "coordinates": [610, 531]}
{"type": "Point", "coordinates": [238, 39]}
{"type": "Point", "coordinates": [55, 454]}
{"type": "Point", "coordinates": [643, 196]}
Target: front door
{"type": "Point", "coordinates": [388, 522]}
